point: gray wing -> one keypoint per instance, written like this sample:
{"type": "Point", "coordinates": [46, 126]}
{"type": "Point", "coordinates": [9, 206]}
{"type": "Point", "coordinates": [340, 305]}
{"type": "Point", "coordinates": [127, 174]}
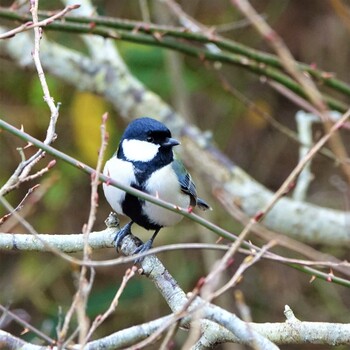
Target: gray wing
{"type": "Point", "coordinates": [187, 185]}
{"type": "Point", "coordinates": [185, 181]}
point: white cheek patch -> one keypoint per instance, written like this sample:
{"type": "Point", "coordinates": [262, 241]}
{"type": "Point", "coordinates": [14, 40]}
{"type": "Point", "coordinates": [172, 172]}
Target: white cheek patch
{"type": "Point", "coordinates": [139, 151]}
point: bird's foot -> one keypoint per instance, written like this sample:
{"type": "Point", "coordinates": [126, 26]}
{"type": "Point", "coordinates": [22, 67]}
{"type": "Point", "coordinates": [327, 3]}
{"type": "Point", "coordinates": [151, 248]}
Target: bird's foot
{"type": "Point", "coordinates": [123, 232]}
{"type": "Point", "coordinates": [144, 247]}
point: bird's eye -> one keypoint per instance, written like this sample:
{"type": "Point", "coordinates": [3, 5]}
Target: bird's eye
{"type": "Point", "coordinates": [150, 139]}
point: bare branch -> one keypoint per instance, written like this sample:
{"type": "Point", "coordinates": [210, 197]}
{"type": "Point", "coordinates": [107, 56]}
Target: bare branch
{"type": "Point", "coordinates": [21, 173]}
{"type": "Point", "coordinates": [232, 52]}
{"type": "Point", "coordinates": [289, 332]}
{"type": "Point", "coordinates": [20, 205]}
{"type": "Point", "coordinates": [85, 285]}
{"type": "Point", "coordinates": [27, 325]}
{"type": "Point", "coordinates": [129, 273]}
{"type": "Point", "coordinates": [247, 262]}
{"type": "Point", "coordinates": [43, 23]}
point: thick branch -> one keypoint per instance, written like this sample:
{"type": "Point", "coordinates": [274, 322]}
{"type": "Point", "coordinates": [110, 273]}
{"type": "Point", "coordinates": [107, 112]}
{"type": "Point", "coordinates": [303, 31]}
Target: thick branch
{"type": "Point", "coordinates": [70, 243]}
{"type": "Point", "coordinates": [216, 320]}
{"type": "Point", "coordinates": [296, 332]}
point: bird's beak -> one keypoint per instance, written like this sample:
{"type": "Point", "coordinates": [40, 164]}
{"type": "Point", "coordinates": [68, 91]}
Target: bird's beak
{"type": "Point", "coordinates": [170, 142]}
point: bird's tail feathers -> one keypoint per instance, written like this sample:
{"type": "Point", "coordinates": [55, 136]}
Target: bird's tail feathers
{"type": "Point", "coordinates": [202, 204]}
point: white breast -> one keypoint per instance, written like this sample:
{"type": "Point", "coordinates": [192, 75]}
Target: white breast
{"type": "Point", "coordinates": [122, 172]}
{"type": "Point", "coordinates": [164, 184]}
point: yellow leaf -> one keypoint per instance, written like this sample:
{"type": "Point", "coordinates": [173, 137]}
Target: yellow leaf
{"type": "Point", "coordinates": [254, 118]}
{"type": "Point", "coordinates": [86, 112]}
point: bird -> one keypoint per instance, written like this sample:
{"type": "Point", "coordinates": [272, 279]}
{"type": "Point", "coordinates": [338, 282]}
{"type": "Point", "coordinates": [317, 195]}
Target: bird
{"type": "Point", "coordinates": [145, 161]}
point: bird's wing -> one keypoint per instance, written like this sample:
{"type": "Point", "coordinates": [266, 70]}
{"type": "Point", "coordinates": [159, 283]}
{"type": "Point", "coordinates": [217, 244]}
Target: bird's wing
{"type": "Point", "coordinates": [185, 181]}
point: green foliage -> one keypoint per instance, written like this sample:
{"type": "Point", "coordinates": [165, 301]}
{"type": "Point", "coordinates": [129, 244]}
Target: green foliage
{"type": "Point", "coordinates": [148, 64]}
{"type": "Point", "coordinates": [101, 299]}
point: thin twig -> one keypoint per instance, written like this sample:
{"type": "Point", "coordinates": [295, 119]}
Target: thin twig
{"type": "Point", "coordinates": [27, 325]}
{"type": "Point", "coordinates": [282, 240]}
{"type": "Point", "coordinates": [282, 51]}
{"type": "Point", "coordinates": [42, 23]}
{"type": "Point", "coordinates": [166, 343]}
{"type": "Point", "coordinates": [50, 134]}
{"type": "Point", "coordinates": [232, 52]}
{"type": "Point", "coordinates": [24, 168]}
{"type": "Point", "coordinates": [20, 205]}
{"type": "Point", "coordinates": [83, 292]}
{"type": "Point", "coordinates": [62, 333]}
{"type": "Point", "coordinates": [300, 166]}
{"type": "Point", "coordinates": [32, 177]}
{"type": "Point", "coordinates": [129, 273]}
{"type": "Point", "coordinates": [247, 262]}
{"type": "Point", "coordinates": [41, 238]}
{"type": "Point", "coordinates": [84, 284]}
{"type": "Point", "coordinates": [270, 119]}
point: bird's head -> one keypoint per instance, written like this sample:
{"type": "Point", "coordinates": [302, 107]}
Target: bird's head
{"type": "Point", "coordinates": [146, 139]}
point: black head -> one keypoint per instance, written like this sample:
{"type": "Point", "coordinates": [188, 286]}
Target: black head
{"type": "Point", "coordinates": [146, 129]}
{"type": "Point", "coordinates": [147, 143]}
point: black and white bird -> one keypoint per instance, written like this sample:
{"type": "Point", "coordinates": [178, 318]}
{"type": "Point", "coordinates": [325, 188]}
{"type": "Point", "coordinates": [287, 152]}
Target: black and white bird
{"type": "Point", "coordinates": [145, 161]}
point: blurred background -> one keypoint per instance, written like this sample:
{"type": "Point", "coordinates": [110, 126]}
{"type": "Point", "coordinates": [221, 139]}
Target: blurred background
{"type": "Point", "coordinates": [40, 286]}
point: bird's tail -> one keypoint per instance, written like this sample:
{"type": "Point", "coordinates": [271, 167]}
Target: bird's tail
{"type": "Point", "coordinates": [202, 204]}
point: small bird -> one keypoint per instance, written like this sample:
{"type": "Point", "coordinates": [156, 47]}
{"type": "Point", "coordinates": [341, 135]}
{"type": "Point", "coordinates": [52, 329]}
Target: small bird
{"type": "Point", "coordinates": [145, 160]}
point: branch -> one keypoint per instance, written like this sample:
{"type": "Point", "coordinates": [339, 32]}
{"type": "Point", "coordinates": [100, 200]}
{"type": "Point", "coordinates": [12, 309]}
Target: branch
{"type": "Point", "coordinates": [30, 25]}
{"type": "Point", "coordinates": [85, 283]}
{"type": "Point", "coordinates": [171, 292]}
{"type": "Point", "coordinates": [183, 211]}
{"type": "Point", "coordinates": [289, 332]}
{"type": "Point", "coordinates": [152, 30]}
{"type": "Point", "coordinates": [179, 303]}
{"type": "Point", "coordinates": [257, 62]}
{"type": "Point", "coordinates": [27, 326]}
{"type": "Point", "coordinates": [68, 243]}
{"type": "Point", "coordinates": [23, 169]}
